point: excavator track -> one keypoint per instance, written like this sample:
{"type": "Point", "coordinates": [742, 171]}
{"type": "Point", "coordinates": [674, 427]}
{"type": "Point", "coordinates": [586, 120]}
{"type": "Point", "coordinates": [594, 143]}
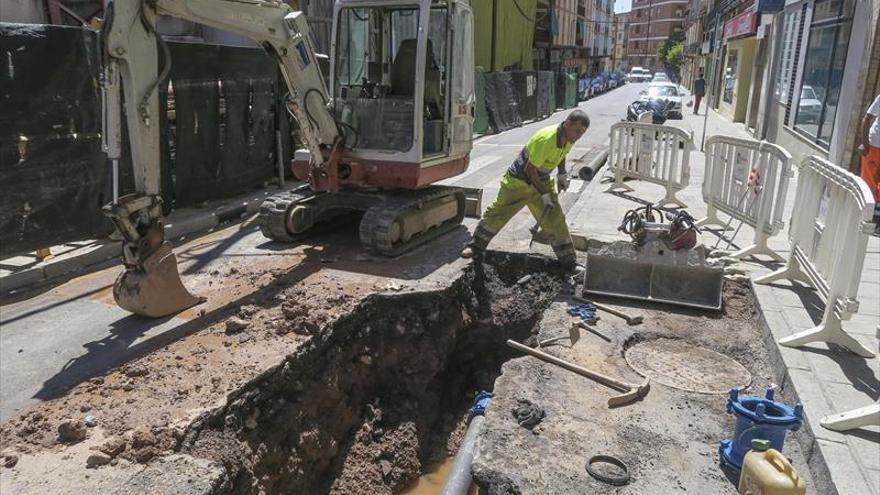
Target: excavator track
{"type": "Point", "coordinates": [274, 213]}
{"type": "Point", "coordinates": [378, 224]}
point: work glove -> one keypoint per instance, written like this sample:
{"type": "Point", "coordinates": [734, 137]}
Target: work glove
{"type": "Point", "coordinates": [562, 181]}
{"type": "Point", "coordinates": [547, 201]}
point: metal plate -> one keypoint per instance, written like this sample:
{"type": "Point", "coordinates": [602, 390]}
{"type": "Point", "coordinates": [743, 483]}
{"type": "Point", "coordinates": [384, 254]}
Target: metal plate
{"type": "Point", "coordinates": [684, 366]}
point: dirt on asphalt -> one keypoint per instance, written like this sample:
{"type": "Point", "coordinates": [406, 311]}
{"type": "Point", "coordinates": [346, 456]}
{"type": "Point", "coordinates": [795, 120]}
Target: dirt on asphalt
{"type": "Point", "coordinates": [353, 385]}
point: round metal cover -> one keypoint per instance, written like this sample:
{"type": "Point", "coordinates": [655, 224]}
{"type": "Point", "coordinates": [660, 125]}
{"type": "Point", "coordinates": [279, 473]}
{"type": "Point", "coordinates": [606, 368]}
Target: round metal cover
{"type": "Point", "coordinates": [680, 365]}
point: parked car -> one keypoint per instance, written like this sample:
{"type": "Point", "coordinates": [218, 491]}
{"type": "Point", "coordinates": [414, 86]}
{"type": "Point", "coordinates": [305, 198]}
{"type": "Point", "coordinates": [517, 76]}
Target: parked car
{"type": "Point", "coordinates": [664, 91]}
{"type": "Point", "coordinates": [660, 77]}
{"type": "Point", "coordinates": [638, 74]}
{"type": "Point", "coordinates": [809, 106]}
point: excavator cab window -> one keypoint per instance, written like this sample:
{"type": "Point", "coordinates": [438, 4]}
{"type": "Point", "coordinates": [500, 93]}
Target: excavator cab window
{"type": "Point", "coordinates": [374, 81]}
{"type": "Point", "coordinates": [375, 78]}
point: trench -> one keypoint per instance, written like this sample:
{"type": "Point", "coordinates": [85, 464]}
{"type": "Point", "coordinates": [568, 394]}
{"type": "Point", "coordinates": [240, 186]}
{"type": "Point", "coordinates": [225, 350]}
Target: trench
{"type": "Point", "coordinates": [382, 394]}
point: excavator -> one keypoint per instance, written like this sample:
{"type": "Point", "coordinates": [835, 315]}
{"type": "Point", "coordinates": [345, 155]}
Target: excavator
{"type": "Point", "coordinates": [397, 118]}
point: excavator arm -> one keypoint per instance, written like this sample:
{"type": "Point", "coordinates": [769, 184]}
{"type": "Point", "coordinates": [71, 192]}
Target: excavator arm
{"type": "Point", "coordinates": [150, 284]}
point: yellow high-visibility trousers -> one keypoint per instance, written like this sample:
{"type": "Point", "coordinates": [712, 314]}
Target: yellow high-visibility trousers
{"type": "Point", "coordinates": [513, 195]}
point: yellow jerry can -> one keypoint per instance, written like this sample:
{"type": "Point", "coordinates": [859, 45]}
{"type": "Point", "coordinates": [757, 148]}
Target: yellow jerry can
{"type": "Point", "coordinates": [766, 471]}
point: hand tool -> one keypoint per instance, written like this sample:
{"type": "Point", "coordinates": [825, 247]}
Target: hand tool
{"type": "Point", "coordinates": [631, 392]}
{"type": "Point", "coordinates": [534, 230]}
{"type": "Point", "coordinates": [630, 320]}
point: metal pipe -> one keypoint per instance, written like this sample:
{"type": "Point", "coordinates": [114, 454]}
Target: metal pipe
{"type": "Point", "coordinates": [280, 152]}
{"type": "Point", "coordinates": [460, 477]}
{"type": "Point", "coordinates": [115, 181]}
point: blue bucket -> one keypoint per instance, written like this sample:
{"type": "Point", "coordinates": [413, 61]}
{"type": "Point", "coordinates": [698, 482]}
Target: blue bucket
{"type": "Point", "coordinates": [758, 417]}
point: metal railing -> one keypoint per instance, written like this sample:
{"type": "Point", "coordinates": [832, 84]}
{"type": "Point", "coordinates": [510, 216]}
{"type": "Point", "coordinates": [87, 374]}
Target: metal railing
{"type": "Point", "coordinates": [654, 153]}
{"type": "Point", "coordinates": [747, 180]}
{"type": "Point", "coordinates": [829, 231]}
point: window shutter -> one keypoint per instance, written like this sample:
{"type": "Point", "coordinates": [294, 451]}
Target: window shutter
{"type": "Point", "coordinates": [794, 63]}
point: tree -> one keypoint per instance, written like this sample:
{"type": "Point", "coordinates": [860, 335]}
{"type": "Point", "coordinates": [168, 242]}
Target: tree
{"type": "Point", "coordinates": [670, 51]}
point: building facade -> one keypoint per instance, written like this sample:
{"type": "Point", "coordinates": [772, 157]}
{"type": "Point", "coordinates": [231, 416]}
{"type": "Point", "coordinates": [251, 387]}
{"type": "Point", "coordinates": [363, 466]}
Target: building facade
{"type": "Point", "coordinates": [819, 82]}
{"type": "Point", "coordinates": [619, 38]}
{"type": "Point", "coordinates": [651, 22]}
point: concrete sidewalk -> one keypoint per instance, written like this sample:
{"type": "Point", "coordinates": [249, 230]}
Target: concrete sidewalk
{"type": "Point", "coordinates": [827, 380]}
{"type": "Point", "coordinates": [24, 272]}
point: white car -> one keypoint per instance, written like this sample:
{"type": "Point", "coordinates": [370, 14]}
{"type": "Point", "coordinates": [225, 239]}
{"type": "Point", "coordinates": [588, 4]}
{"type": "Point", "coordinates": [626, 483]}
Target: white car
{"type": "Point", "coordinates": [638, 74]}
{"type": "Point", "coordinates": [809, 106]}
{"type": "Point", "coordinates": [664, 91]}
{"type": "Point", "coordinates": [660, 77]}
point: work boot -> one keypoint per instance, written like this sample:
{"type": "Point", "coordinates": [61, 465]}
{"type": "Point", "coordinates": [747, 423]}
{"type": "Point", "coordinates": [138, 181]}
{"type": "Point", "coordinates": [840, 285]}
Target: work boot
{"type": "Point", "coordinates": [479, 242]}
{"type": "Point", "coordinates": [575, 269]}
{"type": "Point", "coordinates": [471, 252]}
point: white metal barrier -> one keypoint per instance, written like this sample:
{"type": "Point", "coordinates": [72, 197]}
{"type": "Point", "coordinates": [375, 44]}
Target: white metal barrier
{"type": "Point", "coordinates": [655, 153]}
{"type": "Point", "coordinates": [829, 236]}
{"type": "Point", "coordinates": [747, 180]}
{"type": "Point", "coordinates": [850, 420]}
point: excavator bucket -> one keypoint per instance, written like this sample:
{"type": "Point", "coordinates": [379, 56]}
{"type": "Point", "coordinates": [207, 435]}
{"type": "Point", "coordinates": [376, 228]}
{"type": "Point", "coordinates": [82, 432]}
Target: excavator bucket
{"type": "Point", "coordinates": [156, 290]}
{"type": "Point", "coordinates": [654, 272]}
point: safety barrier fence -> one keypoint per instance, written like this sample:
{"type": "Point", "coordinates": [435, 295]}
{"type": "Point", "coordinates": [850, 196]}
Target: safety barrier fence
{"type": "Point", "coordinates": [829, 231]}
{"type": "Point", "coordinates": [654, 153]}
{"type": "Point", "coordinates": [220, 129]}
{"type": "Point", "coordinates": [747, 180]}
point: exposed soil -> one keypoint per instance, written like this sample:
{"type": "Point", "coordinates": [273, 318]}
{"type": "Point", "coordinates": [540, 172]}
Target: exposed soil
{"type": "Point", "coordinates": [669, 439]}
{"type": "Point", "coordinates": [366, 388]}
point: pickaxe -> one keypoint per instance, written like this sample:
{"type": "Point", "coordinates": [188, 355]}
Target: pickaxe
{"type": "Point", "coordinates": [631, 392]}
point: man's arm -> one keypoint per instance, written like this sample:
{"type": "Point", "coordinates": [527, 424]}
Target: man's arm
{"type": "Point", "coordinates": [560, 169]}
{"type": "Point", "coordinates": [535, 179]}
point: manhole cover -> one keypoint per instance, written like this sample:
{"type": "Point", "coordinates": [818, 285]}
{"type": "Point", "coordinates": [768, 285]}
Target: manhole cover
{"type": "Point", "coordinates": [680, 365]}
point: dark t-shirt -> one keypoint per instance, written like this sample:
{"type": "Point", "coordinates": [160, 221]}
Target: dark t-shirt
{"type": "Point", "coordinates": [700, 87]}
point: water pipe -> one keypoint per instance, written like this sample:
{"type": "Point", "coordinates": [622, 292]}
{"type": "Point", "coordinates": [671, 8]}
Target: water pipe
{"type": "Point", "coordinates": [460, 477]}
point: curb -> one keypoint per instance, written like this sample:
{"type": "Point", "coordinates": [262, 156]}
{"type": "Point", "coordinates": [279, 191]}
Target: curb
{"type": "Point", "coordinates": [93, 258]}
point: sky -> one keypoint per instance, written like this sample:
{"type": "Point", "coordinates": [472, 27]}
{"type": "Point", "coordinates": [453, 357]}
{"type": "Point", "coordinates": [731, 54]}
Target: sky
{"type": "Point", "coordinates": [622, 5]}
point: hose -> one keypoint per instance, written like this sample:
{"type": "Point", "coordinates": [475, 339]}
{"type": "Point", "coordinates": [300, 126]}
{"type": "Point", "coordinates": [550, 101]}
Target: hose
{"type": "Point", "coordinates": [166, 69]}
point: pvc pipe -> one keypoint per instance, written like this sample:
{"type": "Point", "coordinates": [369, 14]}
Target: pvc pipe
{"type": "Point", "coordinates": [588, 171]}
{"type": "Point", "coordinates": [460, 477]}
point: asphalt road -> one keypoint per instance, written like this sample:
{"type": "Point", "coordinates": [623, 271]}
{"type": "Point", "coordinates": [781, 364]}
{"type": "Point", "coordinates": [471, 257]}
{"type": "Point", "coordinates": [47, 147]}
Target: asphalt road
{"type": "Point", "coordinates": [73, 332]}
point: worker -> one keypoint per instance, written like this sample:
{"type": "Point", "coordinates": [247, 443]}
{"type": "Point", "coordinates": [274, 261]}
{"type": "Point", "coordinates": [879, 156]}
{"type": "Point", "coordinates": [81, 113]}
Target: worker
{"type": "Point", "coordinates": [870, 150]}
{"type": "Point", "coordinates": [527, 182]}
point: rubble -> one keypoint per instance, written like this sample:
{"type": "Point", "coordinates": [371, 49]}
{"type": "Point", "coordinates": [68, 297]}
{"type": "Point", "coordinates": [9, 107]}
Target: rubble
{"type": "Point", "coordinates": [72, 431]}
{"type": "Point", "coordinates": [236, 325]}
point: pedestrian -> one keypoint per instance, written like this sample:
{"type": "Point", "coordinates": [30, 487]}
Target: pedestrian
{"type": "Point", "coordinates": [699, 91]}
{"type": "Point", "coordinates": [869, 148]}
{"type": "Point", "coordinates": [527, 182]}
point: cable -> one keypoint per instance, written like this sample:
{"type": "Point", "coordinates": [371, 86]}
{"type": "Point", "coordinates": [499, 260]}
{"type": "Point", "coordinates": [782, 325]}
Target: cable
{"type": "Point", "coordinates": [526, 17]}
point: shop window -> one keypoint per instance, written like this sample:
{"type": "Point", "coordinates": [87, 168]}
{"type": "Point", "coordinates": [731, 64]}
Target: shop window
{"type": "Point", "coordinates": [822, 72]}
{"type": "Point", "coordinates": [730, 75]}
{"type": "Point", "coordinates": [788, 56]}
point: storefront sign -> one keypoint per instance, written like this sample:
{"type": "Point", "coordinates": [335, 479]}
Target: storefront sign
{"type": "Point", "coordinates": [744, 24]}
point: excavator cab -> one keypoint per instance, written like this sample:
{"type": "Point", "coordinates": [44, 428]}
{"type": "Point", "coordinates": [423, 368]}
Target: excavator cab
{"type": "Point", "coordinates": [393, 82]}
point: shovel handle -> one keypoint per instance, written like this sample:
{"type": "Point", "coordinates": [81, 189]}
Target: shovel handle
{"type": "Point", "coordinates": [580, 370]}
{"type": "Point", "coordinates": [608, 309]}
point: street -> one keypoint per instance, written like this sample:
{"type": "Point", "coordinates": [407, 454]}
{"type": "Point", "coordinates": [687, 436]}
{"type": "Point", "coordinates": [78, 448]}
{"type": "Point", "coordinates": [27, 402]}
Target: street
{"type": "Point", "coordinates": [74, 332]}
